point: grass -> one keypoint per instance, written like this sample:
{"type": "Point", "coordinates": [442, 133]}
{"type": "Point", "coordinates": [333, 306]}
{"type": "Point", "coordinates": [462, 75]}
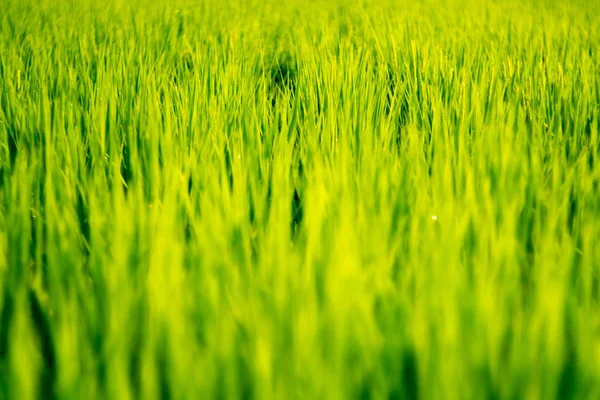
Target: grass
{"type": "Point", "coordinates": [299, 199]}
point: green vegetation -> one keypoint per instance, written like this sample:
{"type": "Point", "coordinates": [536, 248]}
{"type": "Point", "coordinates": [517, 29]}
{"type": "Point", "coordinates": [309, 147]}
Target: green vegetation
{"type": "Point", "coordinates": [299, 199]}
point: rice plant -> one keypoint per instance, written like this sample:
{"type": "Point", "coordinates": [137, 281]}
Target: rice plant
{"type": "Point", "coordinates": [299, 199]}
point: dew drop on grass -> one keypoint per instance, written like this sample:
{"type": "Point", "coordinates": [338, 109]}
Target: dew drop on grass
{"type": "Point", "coordinates": [434, 218]}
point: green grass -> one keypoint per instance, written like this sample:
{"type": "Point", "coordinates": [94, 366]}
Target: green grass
{"type": "Point", "coordinates": [238, 199]}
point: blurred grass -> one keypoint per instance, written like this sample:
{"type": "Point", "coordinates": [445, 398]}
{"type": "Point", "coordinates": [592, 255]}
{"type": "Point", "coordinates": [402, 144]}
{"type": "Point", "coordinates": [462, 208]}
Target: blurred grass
{"type": "Point", "coordinates": [235, 199]}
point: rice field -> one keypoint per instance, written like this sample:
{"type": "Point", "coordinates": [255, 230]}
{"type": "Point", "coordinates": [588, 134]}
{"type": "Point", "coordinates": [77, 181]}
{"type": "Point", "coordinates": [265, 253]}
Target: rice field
{"type": "Point", "coordinates": [299, 199]}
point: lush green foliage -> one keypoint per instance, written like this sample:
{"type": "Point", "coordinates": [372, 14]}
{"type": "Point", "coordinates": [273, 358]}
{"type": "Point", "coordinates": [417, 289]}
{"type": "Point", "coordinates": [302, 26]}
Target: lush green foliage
{"type": "Point", "coordinates": [299, 199]}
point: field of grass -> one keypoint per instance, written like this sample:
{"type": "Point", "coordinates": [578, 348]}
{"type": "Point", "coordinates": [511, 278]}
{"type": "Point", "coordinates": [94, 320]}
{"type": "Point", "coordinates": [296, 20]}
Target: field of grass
{"type": "Point", "coordinates": [299, 199]}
